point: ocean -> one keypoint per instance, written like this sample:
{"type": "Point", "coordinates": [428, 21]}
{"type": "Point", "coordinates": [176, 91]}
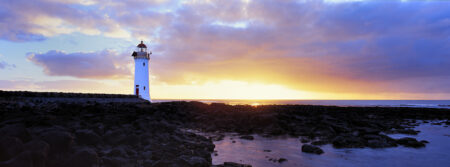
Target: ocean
{"type": "Point", "coordinates": [344, 103]}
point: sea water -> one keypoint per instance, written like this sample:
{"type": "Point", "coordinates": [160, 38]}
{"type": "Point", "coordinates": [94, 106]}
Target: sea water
{"type": "Point", "coordinates": [363, 103]}
{"type": "Point", "coordinates": [435, 154]}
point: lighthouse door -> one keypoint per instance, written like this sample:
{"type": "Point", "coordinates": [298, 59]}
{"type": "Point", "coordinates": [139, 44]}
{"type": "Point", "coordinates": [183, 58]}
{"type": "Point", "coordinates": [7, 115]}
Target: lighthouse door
{"type": "Point", "coordinates": [137, 90]}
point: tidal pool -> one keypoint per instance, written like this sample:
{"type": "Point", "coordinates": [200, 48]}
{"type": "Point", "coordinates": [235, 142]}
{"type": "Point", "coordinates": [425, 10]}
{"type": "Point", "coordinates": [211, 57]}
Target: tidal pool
{"type": "Point", "coordinates": [435, 154]}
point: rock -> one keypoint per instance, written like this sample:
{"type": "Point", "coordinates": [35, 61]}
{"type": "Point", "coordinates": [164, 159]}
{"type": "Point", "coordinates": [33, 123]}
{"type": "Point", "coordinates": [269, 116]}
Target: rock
{"type": "Point", "coordinates": [147, 154]}
{"type": "Point", "coordinates": [380, 141]}
{"type": "Point", "coordinates": [407, 131]}
{"type": "Point", "coordinates": [217, 137]}
{"type": "Point", "coordinates": [38, 146]}
{"type": "Point", "coordinates": [130, 152]}
{"type": "Point", "coordinates": [117, 152]}
{"type": "Point", "coordinates": [59, 141]}
{"type": "Point", "coordinates": [234, 164]}
{"type": "Point", "coordinates": [410, 142]}
{"type": "Point", "coordinates": [267, 150]}
{"type": "Point", "coordinates": [304, 140]}
{"type": "Point", "coordinates": [162, 163]}
{"type": "Point", "coordinates": [247, 137]}
{"type": "Point", "coordinates": [193, 161]}
{"type": "Point", "coordinates": [371, 136]}
{"type": "Point", "coordinates": [424, 141]}
{"type": "Point", "coordinates": [311, 149]}
{"type": "Point", "coordinates": [17, 130]}
{"type": "Point", "coordinates": [87, 137]}
{"type": "Point", "coordinates": [113, 137]}
{"type": "Point", "coordinates": [131, 140]}
{"type": "Point", "coordinates": [39, 150]}
{"type": "Point", "coordinates": [113, 162]}
{"type": "Point", "coordinates": [10, 147]}
{"type": "Point", "coordinates": [281, 160]}
{"type": "Point", "coordinates": [147, 163]}
{"type": "Point", "coordinates": [367, 130]}
{"type": "Point", "coordinates": [24, 159]}
{"type": "Point", "coordinates": [348, 141]}
{"type": "Point", "coordinates": [319, 143]}
{"type": "Point", "coordinates": [85, 157]}
{"type": "Point", "coordinates": [378, 144]}
{"type": "Point", "coordinates": [144, 138]}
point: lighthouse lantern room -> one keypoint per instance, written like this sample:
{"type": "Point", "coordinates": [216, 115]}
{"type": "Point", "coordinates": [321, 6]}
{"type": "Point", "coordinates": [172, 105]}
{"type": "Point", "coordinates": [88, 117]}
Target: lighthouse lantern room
{"type": "Point", "coordinates": [141, 66]}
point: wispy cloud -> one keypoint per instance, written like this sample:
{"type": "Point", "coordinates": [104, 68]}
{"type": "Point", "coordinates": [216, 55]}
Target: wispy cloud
{"type": "Point", "coordinates": [5, 65]}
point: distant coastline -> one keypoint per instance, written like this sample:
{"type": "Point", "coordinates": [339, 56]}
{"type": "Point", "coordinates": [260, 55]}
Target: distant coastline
{"type": "Point", "coordinates": [341, 103]}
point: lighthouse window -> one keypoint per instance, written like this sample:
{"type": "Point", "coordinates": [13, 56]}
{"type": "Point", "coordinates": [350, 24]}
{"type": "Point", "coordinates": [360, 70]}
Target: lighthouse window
{"type": "Point", "coordinates": [144, 87]}
{"type": "Point", "coordinates": [143, 64]}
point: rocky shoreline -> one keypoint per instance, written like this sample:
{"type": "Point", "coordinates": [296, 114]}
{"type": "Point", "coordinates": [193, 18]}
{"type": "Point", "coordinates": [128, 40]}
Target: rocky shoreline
{"type": "Point", "coordinates": [101, 132]}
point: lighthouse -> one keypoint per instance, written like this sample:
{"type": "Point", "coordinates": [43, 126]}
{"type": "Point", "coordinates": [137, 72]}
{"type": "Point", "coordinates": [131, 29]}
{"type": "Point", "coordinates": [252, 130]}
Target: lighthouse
{"type": "Point", "coordinates": [141, 85]}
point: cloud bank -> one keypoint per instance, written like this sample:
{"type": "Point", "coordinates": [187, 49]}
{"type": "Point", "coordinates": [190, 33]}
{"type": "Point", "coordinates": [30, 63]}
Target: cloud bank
{"type": "Point", "coordinates": [102, 64]}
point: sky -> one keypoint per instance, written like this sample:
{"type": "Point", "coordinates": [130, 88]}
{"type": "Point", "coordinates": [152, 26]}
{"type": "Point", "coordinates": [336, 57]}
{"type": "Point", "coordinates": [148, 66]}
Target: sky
{"type": "Point", "coordinates": [230, 49]}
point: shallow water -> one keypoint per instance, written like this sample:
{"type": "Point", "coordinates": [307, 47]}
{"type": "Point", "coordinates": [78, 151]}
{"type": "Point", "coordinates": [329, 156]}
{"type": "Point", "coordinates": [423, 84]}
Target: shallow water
{"type": "Point", "coordinates": [435, 154]}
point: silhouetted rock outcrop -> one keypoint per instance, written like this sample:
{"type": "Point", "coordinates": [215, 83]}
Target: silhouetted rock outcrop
{"type": "Point", "coordinates": [90, 130]}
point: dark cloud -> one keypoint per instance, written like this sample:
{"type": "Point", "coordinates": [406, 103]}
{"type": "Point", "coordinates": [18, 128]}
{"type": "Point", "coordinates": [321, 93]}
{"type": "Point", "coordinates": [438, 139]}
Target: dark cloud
{"type": "Point", "coordinates": [5, 65]}
{"type": "Point", "coordinates": [368, 46]}
{"type": "Point", "coordinates": [102, 64]}
{"type": "Point", "coordinates": [60, 86]}
{"type": "Point", "coordinates": [358, 46]}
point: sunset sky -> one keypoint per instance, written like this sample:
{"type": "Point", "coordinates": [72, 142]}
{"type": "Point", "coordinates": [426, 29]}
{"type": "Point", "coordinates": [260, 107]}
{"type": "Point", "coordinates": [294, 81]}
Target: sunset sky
{"type": "Point", "coordinates": [230, 49]}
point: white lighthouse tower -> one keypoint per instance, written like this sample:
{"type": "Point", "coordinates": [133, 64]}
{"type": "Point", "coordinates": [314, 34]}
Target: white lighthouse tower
{"type": "Point", "coordinates": [141, 59]}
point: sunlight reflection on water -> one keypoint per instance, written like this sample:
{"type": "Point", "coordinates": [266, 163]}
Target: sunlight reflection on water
{"type": "Point", "coordinates": [436, 153]}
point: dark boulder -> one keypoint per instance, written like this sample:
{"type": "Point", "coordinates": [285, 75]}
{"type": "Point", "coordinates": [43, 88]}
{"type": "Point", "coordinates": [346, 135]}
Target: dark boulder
{"type": "Point", "coordinates": [217, 137]}
{"type": "Point", "coordinates": [247, 137]}
{"type": "Point", "coordinates": [10, 147]}
{"type": "Point", "coordinates": [24, 159]}
{"type": "Point", "coordinates": [162, 163]}
{"type": "Point", "coordinates": [192, 161]}
{"type": "Point", "coordinates": [17, 130]}
{"type": "Point", "coordinates": [311, 149]}
{"type": "Point", "coordinates": [113, 162]}
{"type": "Point", "coordinates": [319, 142]}
{"type": "Point", "coordinates": [348, 141]}
{"type": "Point", "coordinates": [87, 137]}
{"type": "Point", "coordinates": [281, 160]}
{"type": "Point", "coordinates": [131, 140]}
{"type": "Point", "coordinates": [85, 157]}
{"type": "Point", "coordinates": [59, 141]}
{"type": "Point", "coordinates": [232, 164]}
{"type": "Point", "coordinates": [367, 130]}
{"type": "Point", "coordinates": [117, 152]}
{"type": "Point", "coordinates": [114, 137]}
{"type": "Point", "coordinates": [38, 146]}
{"type": "Point", "coordinates": [407, 131]}
{"type": "Point", "coordinates": [410, 142]}
{"type": "Point", "coordinates": [305, 140]}
{"type": "Point", "coordinates": [39, 150]}
{"type": "Point", "coordinates": [379, 141]}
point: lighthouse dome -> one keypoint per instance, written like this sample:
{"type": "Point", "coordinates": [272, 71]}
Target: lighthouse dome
{"type": "Point", "coordinates": [142, 45]}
